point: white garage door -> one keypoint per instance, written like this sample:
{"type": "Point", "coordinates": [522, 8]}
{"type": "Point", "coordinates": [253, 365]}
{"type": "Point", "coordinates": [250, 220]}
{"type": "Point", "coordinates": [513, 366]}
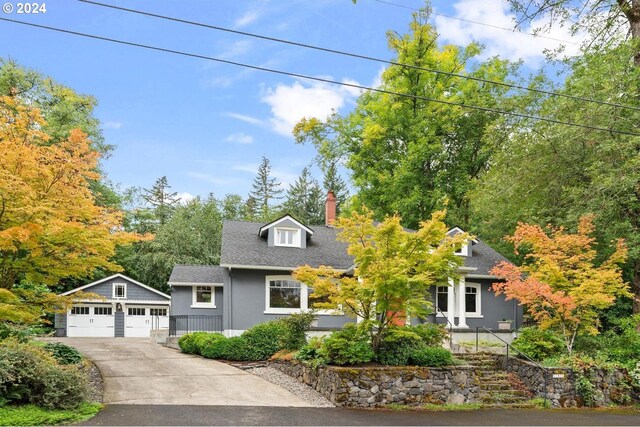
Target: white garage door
{"type": "Point", "coordinates": [90, 321]}
{"type": "Point", "coordinates": [139, 321]}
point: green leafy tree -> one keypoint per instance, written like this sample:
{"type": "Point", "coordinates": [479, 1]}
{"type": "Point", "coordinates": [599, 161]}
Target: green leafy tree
{"type": "Point", "coordinates": [332, 181]}
{"type": "Point", "coordinates": [192, 235]}
{"type": "Point", "coordinates": [233, 207]}
{"type": "Point", "coordinates": [265, 190]}
{"type": "Point", "coordinates": [411, 155]}
{"type": "Point", "coordinates": [394, 269]}
{"type": "Point", "coordinates": [546, 173]}
{"type": "Point", "coordinates": [305, 200]}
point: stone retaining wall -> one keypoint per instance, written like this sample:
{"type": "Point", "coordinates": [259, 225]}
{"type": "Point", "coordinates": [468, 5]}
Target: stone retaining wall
{"type": "Point", "coordinates": [610, 386]}
{"type": "Point", "coordinates": [379, 386]}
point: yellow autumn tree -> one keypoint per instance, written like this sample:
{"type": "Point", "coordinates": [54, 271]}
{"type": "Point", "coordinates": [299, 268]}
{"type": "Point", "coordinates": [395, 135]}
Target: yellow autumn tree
{"type": "Point", "coordinates": [50, 225]}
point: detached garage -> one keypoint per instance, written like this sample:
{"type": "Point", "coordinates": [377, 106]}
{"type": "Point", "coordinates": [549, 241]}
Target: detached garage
{"type": "Point", "coordinates": [129, 309]}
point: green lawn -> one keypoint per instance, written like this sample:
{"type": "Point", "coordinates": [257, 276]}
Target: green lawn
{"type": "Point", "coordinates": [31, 415]}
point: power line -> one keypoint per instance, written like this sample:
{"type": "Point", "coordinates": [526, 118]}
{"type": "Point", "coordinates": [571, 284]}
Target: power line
{"type": "Point", "coordinates": [320, 79]}
{"type": "Point", "coordinates": [359, 56]}
{"type": "Point", "coordinates": [511, 30]}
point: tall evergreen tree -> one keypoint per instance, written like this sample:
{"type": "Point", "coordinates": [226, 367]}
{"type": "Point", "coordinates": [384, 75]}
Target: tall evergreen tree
{"type": "Point", "coordinates": [265, 190]}
{"type": "Point", "coordinates": [305, 199]}
{"type": "Point", "coordinates": [161, 200]}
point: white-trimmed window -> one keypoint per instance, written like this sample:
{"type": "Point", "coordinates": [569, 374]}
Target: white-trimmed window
{"type": "Point", "coordinates": [285, 295]}
{"type": "Point", "coordinates": [287, 237]}
{"type": "Point", "coordinates": [136, 311]}
{"type": "Point", "coordinates": [80, 310]}
{"type": "Point", "coordinates": [203, 296]}
{"type": "Point", "coordinates": [473, 299]}
{"type": "Point", "coordinates": [442, 298]}
{"type": "Point", "coordinates": [157, 311]}
{"type": "Point", "coordinates": [119, 290]}
{"type": "Point", "coordinates": [103, 311]}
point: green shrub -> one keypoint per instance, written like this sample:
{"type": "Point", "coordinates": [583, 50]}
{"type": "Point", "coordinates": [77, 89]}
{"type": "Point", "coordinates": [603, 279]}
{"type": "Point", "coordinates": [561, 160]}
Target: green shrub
{"type": "Point", "coordinates": [64, 354]}
{"type": "Point", "coordinates": [398, 345]}
{"type": "Point", "coordinates": [188, 344]}
{"type": "Point", "coordinates": [263, 340]}
{"type": "Point", "coordinates": [215, 349]}
{"type": "Point", "coordinates": [202, 341]}
{"type": "Point", "coordinates": [29, 374]}
{"type": "Point", "coordinates": [238, 348]}
{"type": "Point", "coordinates": [432, 334]}
{"type": "Point", "coordinates": [434, 357]}
{"type": "Point", "coordinates": [348, 346]}
{"type": "Point", "coordinates": [311, 353]}
{"type": "Point", "coordinates": [295, 328]}
{"type": "Point", "coordinates": [538, 344]}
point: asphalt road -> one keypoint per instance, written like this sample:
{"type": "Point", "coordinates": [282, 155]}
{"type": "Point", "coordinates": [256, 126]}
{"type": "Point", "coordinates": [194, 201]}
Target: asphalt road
{"type": "Point", "coordinates": [163, 415]}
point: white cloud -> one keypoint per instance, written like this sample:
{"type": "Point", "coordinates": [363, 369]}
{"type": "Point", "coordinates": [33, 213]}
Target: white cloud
{"type": "Point", "coordinates": [290, 103]}
{"type": "Point", "coordinates": [185, 197]}
{"type": "Point", "coordinates": [245, 118]}
{"type": "Point", "coordinates": [497, 41]}
{"type": "Point", "coordinates": [112, 125]}
{"type": "Point", "coordinates": [236, 49]}
{"type": "Point", "coordinates": [247, 18]}
{"type": "Point", "coordinates": [240, 138]}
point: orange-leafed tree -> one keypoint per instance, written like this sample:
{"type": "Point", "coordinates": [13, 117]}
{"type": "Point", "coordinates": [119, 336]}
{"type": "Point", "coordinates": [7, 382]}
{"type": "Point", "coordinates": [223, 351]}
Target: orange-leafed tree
{"type": "Point", "coordinates": [560, 281]}
{"type": "Point", "coordinates": [50, 225]}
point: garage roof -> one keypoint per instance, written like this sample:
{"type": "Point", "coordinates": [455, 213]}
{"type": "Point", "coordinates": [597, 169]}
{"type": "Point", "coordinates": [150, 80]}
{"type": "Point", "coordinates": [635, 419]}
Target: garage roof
{"type": "Point", "coordinates": [196, 274]}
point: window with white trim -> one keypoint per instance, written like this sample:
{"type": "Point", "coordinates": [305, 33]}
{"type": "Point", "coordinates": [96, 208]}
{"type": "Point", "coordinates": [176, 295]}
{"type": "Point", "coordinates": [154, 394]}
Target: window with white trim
{"type": "Point", "coordinates": [472, 298]}
{"type": "Point", "coordinates": [287, 237]}
{"type": "Point", "coordinates": [442, 298]}
{"type": "Point", "coordinates": [157, 311]}
{"type": "Point", "coordinates": [284, 293]}
{"type": "Point", "coordinates": [80, 310]}
{"type": "Point", "coordinates": [203, 296]}
{"type": "Point", "coordinates": [103, 311]}
{"type": "Point", "coordinates": [136, 311]}
{"type": "Point", "coordinates": [119, 290]}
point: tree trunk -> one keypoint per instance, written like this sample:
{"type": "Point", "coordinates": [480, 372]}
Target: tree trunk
{"type": "Point", "coordinates": [632, 12]}
{"type": "Point", "coordinates": [635, 288]}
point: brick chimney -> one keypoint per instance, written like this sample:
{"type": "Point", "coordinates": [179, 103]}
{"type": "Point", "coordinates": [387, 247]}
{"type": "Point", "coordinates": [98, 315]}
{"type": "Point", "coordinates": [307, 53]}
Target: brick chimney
{"type": "Point", "coordinates": [330, 208]}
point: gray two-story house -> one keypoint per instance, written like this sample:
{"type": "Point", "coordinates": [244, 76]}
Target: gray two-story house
{"type": "Point", "coordinates": [253, 282]}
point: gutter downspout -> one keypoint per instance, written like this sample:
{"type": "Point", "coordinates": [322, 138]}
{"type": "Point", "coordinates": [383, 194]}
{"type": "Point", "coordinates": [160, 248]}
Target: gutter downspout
{"type": "Point", "coordinates": [230, 301]}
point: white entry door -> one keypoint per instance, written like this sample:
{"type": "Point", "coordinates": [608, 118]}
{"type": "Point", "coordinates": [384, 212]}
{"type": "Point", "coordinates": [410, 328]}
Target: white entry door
{"type": "Point", "coordinates": [90, 321]}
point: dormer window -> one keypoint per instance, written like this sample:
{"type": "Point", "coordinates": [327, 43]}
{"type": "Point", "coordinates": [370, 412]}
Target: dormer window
{"type": "Point", "coordinates": [287, 237]}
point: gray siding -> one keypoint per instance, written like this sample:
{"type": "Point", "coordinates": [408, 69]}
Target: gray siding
{"type": "Point", "coordinates": [494, 308]}
{"type": "Point", "coordinates": [60, 324]}
{"type": "Point", "coordinates": [134, 291]}
{"type": "Point", "coordinates": [246, 292]}
{"type": "Point", "coordinates": [118, 323]}
{"type": "Point", "coordinates": [181, 298]}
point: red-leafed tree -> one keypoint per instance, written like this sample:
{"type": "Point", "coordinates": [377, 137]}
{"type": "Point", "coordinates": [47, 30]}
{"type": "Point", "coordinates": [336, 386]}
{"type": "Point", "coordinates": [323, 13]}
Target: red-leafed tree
{"type": "Point", "coordinates": [560, 282]}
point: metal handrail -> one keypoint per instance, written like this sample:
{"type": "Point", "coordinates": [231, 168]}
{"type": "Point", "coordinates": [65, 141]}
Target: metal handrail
{"type": "Point", "coordinates": [450, 327]}
{"type": "Point", "coordinates": [545, 370]}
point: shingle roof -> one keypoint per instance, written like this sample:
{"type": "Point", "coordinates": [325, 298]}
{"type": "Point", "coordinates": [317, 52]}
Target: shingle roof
{"type": "Point", "coordinates": [483, 258]}
{"type": "Point", "coordinates": [241, 246]}
{"type": "Point", "coordinates": [196, 274]}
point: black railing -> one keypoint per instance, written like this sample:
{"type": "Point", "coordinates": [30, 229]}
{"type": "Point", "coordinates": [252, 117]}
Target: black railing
{"type": "Point", "coordinates": [506, 367]}
{"type": "Point", "coordinates": [184, 324]}
{"type": "Point", "coordinates": [450, 327]}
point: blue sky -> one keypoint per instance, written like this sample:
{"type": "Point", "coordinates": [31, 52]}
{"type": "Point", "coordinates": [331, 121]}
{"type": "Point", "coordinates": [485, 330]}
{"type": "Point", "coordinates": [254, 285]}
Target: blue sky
{"type": "Point", "coordinates": [206, 125]}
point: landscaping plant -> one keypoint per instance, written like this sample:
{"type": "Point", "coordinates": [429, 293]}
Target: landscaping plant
{"type": "Point", "coordinates": [538, 344]}
{"type": "Point", "coordinates": [64, 354]}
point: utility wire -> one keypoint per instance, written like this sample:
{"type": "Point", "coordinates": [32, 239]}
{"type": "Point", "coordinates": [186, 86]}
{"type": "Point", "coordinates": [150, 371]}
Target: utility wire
{"type": "Point", "coordinates": [359, 56]}
{"type": "Point", "coordinates": [511, 30]}
{"type": "Point", "coordinates": [320, 79]}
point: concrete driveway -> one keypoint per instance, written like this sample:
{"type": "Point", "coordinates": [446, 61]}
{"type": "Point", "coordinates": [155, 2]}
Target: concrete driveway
{"type": "Point", "coordinates": [136, 371]}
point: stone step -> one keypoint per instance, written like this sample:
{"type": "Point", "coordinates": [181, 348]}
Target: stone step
{"type": "Point", "coordinates": [502, 399]}
{"type": "Point", "coordinates": [511, 392]}
{"type": "Point", "coordinates": [496, 385]}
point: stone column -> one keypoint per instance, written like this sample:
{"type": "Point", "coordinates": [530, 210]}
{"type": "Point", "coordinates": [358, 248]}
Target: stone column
{"type": "Point", "coordinates": [451, 303]}
{"type": "Point", "coordinates": [462, 304]}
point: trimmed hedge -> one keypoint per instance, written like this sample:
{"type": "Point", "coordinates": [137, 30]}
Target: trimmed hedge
{"type": "Point", "coordinates": [433, 357]}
